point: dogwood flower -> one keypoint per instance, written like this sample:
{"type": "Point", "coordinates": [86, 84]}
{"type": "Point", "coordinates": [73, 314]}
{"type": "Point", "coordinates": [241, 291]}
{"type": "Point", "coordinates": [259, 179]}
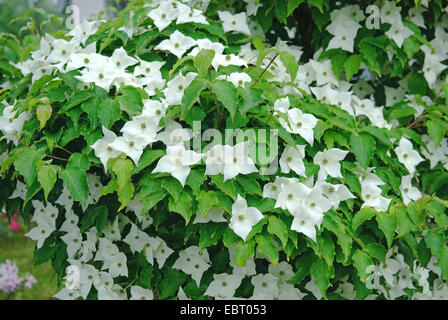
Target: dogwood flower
{"type": "Point", "coordinates": [121, 59]}
{"type": "Point", "coordinates": [371, 195]}
{"type": "Point", "coordinates": [243, 218]}
{"type": "Point", "coordinates": [227, 60]}
{"type": "Point", "coordinates": [305, 222]}
{"type": "Point", "coordinates": [212, 215]}
{"type": "Point", "coordinates": [265, 284]}
{"type": "Point", "coordinates": [175, 88]}
{"type": "Point", "coordinates": [407, 155]}
{"type": "Point", "coordinates": [282, 270]}
{"type": "Point", "coordinates": [223, 285]}
{"type": "Point", "coordinates": [189, 14]}
{"type": "Point", "coordinates": [237, 78]}
{"type": "Point", "coordinates": [139, 293]}
{"type": "Point", "coordinates": [236, 22]}
{"type": "Point", "coordinates": [328, 162]}
{"type": "Point", "coordinates": [292, 159]}
{"type": "Point", "coordinates": [399, 32]}
{"type": "Point", "coordinates": [163, 14]}
{"type": "Point", "coordinates": [177, 162]}
{"type": "Point", "coordinates": [335, 192]}
{"type": "Point", "coordinates": [291, 195]}
{"type": "Point", "coordinates": [102, 149]}
{"type": "Point", "coordinates": [177, 44]}
{"type": "Point", "coordinates": [194, 262]}
{"type": "Point", "coordinates": [40, 233]}
{"type": "Point", "coordinates": [131, 148]}
{"type": "Point", "coordinates": [409, 192]}
{"type": "Point", "coordinates": [302, 124]}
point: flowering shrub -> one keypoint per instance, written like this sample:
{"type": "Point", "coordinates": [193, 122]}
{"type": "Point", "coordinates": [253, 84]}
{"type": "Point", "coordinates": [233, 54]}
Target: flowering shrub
{"type": "Point", "coordinates": [186, 150]}
{"type": "Point", "coordinates": [10, 281]}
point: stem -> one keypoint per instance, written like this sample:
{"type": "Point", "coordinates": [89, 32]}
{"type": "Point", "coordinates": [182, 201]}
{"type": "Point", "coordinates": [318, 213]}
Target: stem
{"type": "Point", "coordinates": [221, 116]}
{"type": "Point", "coordinates": [46, 155]}
{"type": "Point", "coordinates": [267, 67]}
{"type": "Point", "coordinates": [414, 124]}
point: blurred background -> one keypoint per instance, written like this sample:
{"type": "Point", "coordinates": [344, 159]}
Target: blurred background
{"type": "Point", "coordinates": [12, 9]}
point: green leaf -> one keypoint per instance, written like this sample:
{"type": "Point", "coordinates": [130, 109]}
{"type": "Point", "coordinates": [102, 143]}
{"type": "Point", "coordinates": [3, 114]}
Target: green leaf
{"type": "Point", "coordinates": [404, 222]}
{"type": "Point", "coordinates": [292, 5]}
{"type": "Point", "coordinates": [243, 251]}
{"type": "Point", "coordinates": [226, 93]}
{"type": "Point", "coordinates": [173, 187]}
{"type": "Point", "coordinates": [110, 112]}
{"type": "Point", "coordinates": [289, 61]}
{"type": "Point", "coordinates": [93, 216]}
{"type": "Point", "coordinates": [363, 146]}
{"type": "Point", "coordinates": [401, 112]}
{"type": "Point", "coordinates": [131, 99]}
{"type": "Point", "coordinates": [326, 247]}
{"type": "Point", "coordinates": [147, 158]}
{"type": "Point", "coordinates": [436, 130]}
{"type": "Point", "coordinates": [202, 61]}
{"type": "Point", "coordinates": [249, 184]}
{"type": "Point", "coordinates": [195, 179]}
{"type": "Point", "coordinates": [153, 198]}
{"type": "Point", "coordinates": [278, 228]}
{"type": "Point", "coordinates": [43, 113]}
{"type": "Point", "coordinates": [266, 246]}
{"type": "Point", "coordinates": [123, 169]}
{"type": "Point", "coordinates": [250, 97]}
{"type": "Point", "coordinates": [80, 161]}
{"type": "Point", "coordinates": [321, 272]}
{"type": "Point", "coordinates": [207, 200]}
{"type": "Point", "coordinates": [435, 242]}
{"type": "Point", "coordinates": [76, 181]}
{"type": "Point", "coordinates": [191, 95]}
{"type": "Point", "coordinates": [352, 66]}
{"type": "Point", "coordinates": [182, 206]}
{"type": "Point", "coordinates": [442, 262]}
{"type": "Point", "coordinates": [26, 164]}
{"type": "Point", "coordinates": [210, 233]}
{"type": "Point", "coordinates": [333, 223]}
{"type": "Point", "coordinates": [386, 223]}
{"type": "Point", "coordinates": [171, 282]}
{"type": "Point", "coordinates": [379, 133]}
{"type": "Point", "coordinates": [47, 177]}
{"type": "Point", "coordinates": [376, 250]}
{"type": "Point", "coordinates": [76, 99]}
{"type": "Point", "coordinates": [125, 194]}
{"type": "Point", "coordinates": [362, 262]}
{"type": "Point", "coordinates": [417, 84]}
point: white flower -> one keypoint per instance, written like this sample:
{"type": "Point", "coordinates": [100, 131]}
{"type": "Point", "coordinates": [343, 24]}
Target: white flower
{"type": "Point", "coordinates": [236, 22]}
{"type": "Point", "coordinates": [399, 32]}
{"type": "Point", "coordinates": [230, 161]}
{"type": "Point", "coordinates": [207, 44]}
{"type": "Point", "coordinates": [19, 191]}
{"type": "Point", "coordinates": [121, 59]}
{"type": "Point", "coordinates": [291, 195]}
{"type": "Point", "coordinates": [328, 161]}
{"type": "Point", "coordinates": [189, 14]}
{"type": "Point", "coordinates": [407, 155]}
{"type": "Point", "coordinates": [131, 148]}
{"type": "Point", "coordinates": [139, 293]}
{"type": "Point", "coordinates": [175, 88]}
{"type": "Point", "coordinates": [102, 149]}
{"type": "Point", "coordinates": [142, 130]}
{"type": "Point", "coordinates": [194, 262]}
{"type": "Point", "coordinates": [247, 270]}
{"type": "Point", "coordinates": [335, 192]}
{"type": "Point", "coordinates": [371, 195]}
{"type": "Point", "coordinates": [265, 284]}
{"type": "Point", "coordinates": [177, 162]}
{"type": "Point", "coordinates": [302, 124]}
{"type": "Point", "coordinates": [243, 218]}
{"type": "Point", "coordinates": [40, 233]}
{"type": "Point", "coordinates": [149, 69]}
{"type": "Point", "coordinates": [227, 60]}
{"type": "Point", "coordinates": [408, 191]}
{"type": "Point", "coordinates": [237, 78]}
{"type": "Point", "coordinates": [177, 44]}
{"type": "Point", "coordinates": [163, 15]}
{"type": "Point", "coordinates": [292, 159]}
{"type": "Point", "coordinates": [174, 134]}
{"type": "Point", "coordinates": [282, 270]}
{"type": "Point", "coordinates": [305, 222]}
{"type": "Point", "coordinates": [223, 285]}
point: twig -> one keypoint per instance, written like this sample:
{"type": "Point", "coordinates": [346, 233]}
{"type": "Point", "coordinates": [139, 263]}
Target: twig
{"type": "Point", "coordinates": [46, 155]}
{"type": "Point", "coordinates": [261, 74]}
{"type": "Point", "coordinates": [414, 123]}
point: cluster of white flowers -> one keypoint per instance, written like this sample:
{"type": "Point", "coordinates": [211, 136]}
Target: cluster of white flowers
{"type": "Point", "coordinates": [10, 126]}
{"type": "Point", "coordinates": [305, 199]}
{"type": "Point", "coordinates": [392, 278]}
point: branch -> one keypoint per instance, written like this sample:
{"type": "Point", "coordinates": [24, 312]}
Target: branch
{"type": "Point", "coordinates": [267, 67]}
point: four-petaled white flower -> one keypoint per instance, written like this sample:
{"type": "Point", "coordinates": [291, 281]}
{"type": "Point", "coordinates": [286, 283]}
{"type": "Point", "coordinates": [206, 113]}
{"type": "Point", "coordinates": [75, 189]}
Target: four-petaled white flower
{"type": "Point", "coordinates": [407, 155]}
{"type": "Point", "coordinates": [177, 44]}
{"type": "Point", "coordinates": [243, 218]}
{"type": "Point", "coordinates": [408, 191]}
{"type": "Point", "coordinates": [234, 22]}
{"type": "Point", "coordinates": [177, 162]}
{"type": "Point", "coordinates": [163, 15]}
{"type": "Point", "coordinates": [302, 124]}
{"type": "Point", "coordinates": [223, 285]}
{"type": "Point", "coordinates": [328, 161]}
{"type": "Point", "coordinates": [292, 159]}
